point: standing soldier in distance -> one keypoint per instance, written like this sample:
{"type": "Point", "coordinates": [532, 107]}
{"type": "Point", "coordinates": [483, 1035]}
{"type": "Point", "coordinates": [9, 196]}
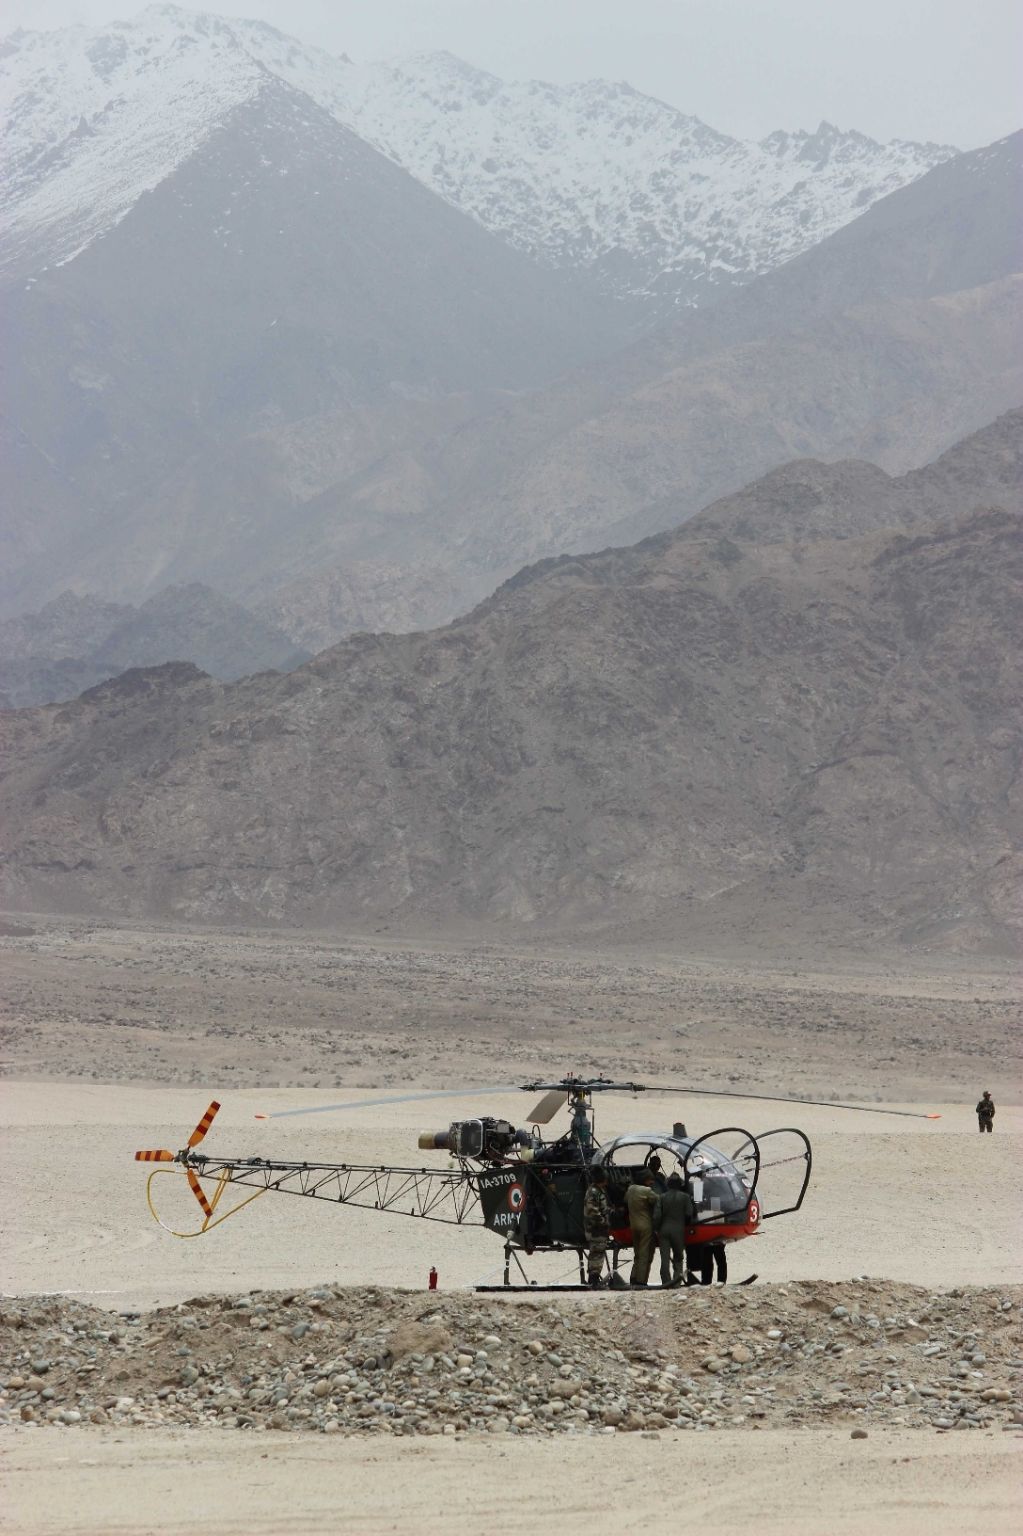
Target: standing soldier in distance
{"type": "Point", "coordinates": [596, 1225]}
{"type": "Point", "coordinates": [675, 1211]}
{"type": "Point", "coordinates": [986, 1112]}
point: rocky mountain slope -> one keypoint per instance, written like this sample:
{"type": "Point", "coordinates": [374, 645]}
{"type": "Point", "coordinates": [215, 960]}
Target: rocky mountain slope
{"type": "Point", "coordinates": [887, 342]}
{"type": "Point", "coordinates": [593, 176]}
{"type": "Point", "coordinates": [282, 306]}
{"type": "Point", "coordinates": [707, 733]}
{"type": "Point", "coordinates": [316, 465]}
{"type": "Point", "coordinates": [248, 349]}
{"type": "Point", "coordinates": [75, 642]}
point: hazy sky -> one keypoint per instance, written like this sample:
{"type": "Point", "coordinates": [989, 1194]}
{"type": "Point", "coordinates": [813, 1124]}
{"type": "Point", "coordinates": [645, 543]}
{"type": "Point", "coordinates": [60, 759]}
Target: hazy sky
{"type": "Point", "coordinates": [925, 69]}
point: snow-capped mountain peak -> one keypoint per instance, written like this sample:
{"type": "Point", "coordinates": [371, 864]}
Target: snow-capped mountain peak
{"type": "Point", "coordinates": [656, 201]}
{"type": "Point", "coordinates": [594, 174]}
{"type": "Point", "coordinates": [95, 117]}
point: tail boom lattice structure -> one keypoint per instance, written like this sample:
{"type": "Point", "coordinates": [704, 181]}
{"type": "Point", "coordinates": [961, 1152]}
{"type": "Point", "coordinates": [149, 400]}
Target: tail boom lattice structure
{"type": "Point", "coordinates": [431, 1194]}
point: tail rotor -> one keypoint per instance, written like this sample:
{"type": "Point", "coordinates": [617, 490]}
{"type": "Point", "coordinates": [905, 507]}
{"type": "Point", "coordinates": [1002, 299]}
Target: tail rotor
{"type": "Point", "coordinates": [161, 1155]}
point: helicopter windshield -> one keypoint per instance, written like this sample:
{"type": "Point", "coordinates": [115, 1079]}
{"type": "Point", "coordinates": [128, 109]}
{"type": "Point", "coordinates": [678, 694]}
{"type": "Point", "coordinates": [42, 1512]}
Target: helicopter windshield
{"type": "Point", "coordinates": [720, 1187]}
{"type": "Point", "coordinates": [637, 1150]}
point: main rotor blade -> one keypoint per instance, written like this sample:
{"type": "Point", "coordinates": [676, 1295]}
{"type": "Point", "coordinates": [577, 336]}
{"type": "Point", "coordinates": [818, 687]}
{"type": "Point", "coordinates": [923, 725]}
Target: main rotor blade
{"type": "Point", "coordinates": [778, 1098]}
{"type": "Point", "coordinates": [547, 1108]}
{"type": "Point", "coordinates": [397, 1098]}
{"type": "Point", "coordinates": [204, 1125]}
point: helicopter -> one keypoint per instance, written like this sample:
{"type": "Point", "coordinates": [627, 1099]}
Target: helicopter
{"type": "Point", "coordinates": [527, 1187]}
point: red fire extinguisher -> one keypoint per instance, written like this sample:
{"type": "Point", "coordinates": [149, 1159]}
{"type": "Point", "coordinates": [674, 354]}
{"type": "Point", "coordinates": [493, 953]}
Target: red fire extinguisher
{"type": "Point", "coordinates": [433, 1278]}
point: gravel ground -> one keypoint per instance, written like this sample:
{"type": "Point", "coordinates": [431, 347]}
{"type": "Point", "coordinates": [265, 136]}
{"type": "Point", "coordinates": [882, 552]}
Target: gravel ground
{"type": "Point", "coordinates": [103, 1003]}
{"type": "Point", "coordinates": [368, 1361]}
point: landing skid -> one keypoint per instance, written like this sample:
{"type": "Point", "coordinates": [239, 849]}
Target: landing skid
{"type": "Point", "coordinates": [613, 1281]}
{"type": "Point", "coordinates": [533, 1287]}
{"type": "Point", "coordinates": [512, 1257]}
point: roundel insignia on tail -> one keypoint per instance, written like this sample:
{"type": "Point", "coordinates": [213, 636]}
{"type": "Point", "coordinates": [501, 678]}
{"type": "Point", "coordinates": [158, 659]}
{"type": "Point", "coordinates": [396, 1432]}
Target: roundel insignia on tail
{"type": "Point", "coordinates": [516, 1197]}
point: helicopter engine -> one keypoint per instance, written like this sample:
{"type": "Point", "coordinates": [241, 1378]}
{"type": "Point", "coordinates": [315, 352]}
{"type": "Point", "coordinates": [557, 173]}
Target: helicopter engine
{"type": "Point", "coordinates": [484, 1138]}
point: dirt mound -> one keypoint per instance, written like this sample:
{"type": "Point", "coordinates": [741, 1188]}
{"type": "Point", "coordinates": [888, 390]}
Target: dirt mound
{"type": "Point", "coordinates": [370, 1361]}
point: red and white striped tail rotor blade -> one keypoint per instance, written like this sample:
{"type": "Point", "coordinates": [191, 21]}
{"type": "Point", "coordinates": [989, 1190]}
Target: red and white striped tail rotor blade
{"type": "Point", "coordinates": [204, 1125]}
{"type": "Point", "coordinates": [159, 1155]}
{"type": "Point", "coordinates": [199, 1193]}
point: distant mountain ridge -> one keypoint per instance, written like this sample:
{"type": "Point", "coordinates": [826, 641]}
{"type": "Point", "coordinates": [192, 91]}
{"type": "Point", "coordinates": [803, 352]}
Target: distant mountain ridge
{"type": "Point", "coordinates": [78, 641]}
{"type": "Point", "coordinates": [596, 175]}
{"type": "Point", "coordinates": [887, 342]}
{"type": "Point", "coordinates": [247, 348]}
{"type": "Point", "coordinates": [285, 274]}
{"type": "Point", "coordinates": [810, 744]}
{"type": "Point", "coordinates": [653, 203]}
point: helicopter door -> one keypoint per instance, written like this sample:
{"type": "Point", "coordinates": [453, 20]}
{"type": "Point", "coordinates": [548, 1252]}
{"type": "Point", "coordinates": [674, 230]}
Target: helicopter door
{"type": "Point", "coordinates": [784, 1170]}
{"type": "Point", "coordinates": [723, 1181]}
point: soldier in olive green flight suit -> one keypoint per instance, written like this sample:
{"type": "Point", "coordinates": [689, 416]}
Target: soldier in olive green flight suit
{"type": "Point", "coordinates": [641, 1201]}
{"type": "Point", "coordinates": [675, 1211]}
{"type": "Point", "coordinates": [596, 1225]}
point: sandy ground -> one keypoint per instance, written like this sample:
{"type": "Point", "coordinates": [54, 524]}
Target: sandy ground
{"type": "Point", "coordinates": [765, 1484]}
{"type": "Point", "coordinates": [118, 1038]}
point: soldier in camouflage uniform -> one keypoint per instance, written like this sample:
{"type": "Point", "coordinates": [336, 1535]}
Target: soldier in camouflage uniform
{"type": "Point", "coordinates": [596, 1225]}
